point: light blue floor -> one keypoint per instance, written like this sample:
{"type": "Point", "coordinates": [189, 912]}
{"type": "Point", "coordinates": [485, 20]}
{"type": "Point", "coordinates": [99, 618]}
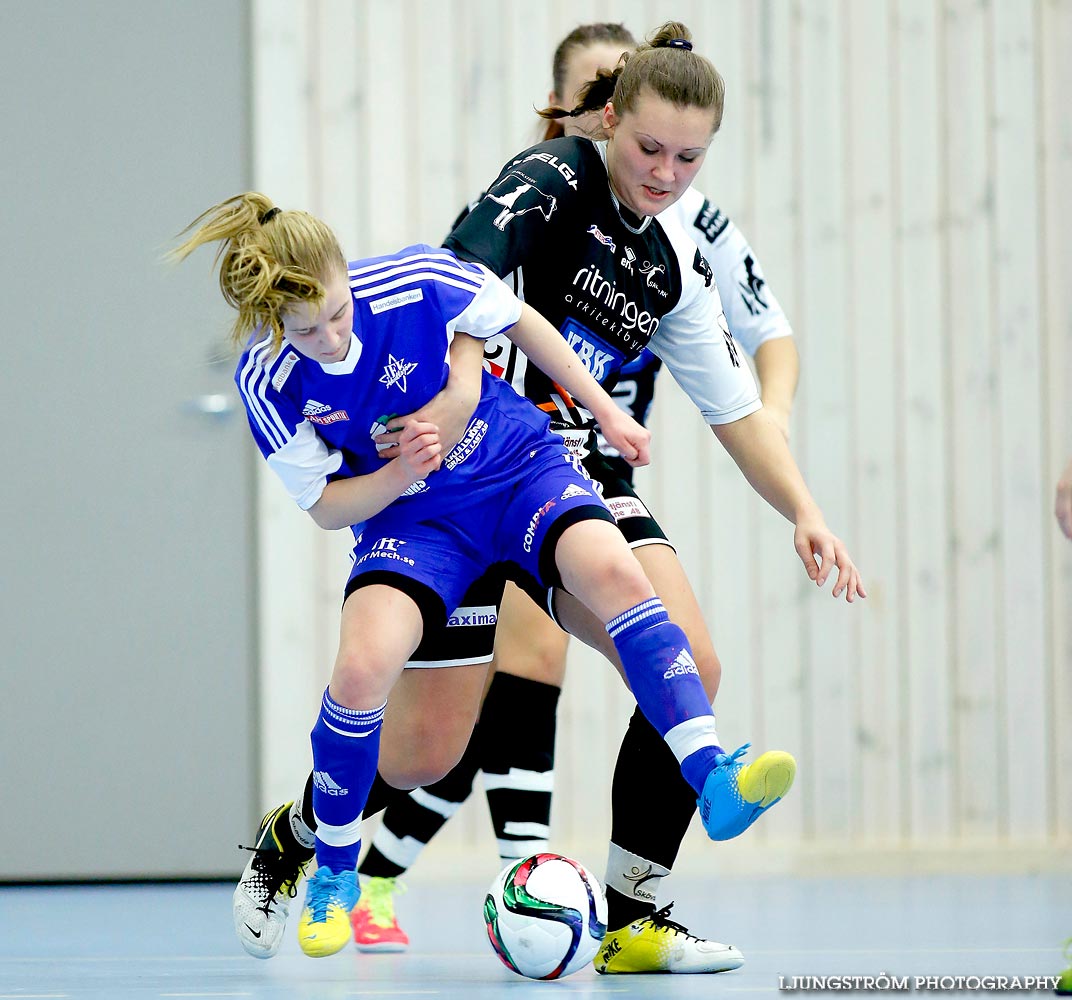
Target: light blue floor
{"type": "Point", "coordinates": [119, 942]}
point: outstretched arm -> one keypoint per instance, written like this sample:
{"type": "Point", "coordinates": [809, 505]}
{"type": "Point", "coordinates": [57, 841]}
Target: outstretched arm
{"type": "Point", "coordinates": [778, 368]}
{"type": "Point", "coordinates": [757, 446]}
{"type": "Point", "coordinates": [546, 348]}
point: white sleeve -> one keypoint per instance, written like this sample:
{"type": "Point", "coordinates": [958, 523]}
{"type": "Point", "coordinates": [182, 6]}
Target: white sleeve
{"type": "Point", "coordinates": [293, 450]}
{"type": "Point", "coordinates": [753, 313]}
{"type": "Point", "coordinates": [493, 308]}
{"type": "Point", "coordinates": [694, 342]}
{"type": "Point", "coordinates": [304, 464]}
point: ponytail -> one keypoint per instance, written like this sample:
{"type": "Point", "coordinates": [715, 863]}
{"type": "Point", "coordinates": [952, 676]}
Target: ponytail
{"type": "Point", "coordinates": [269, 260]}
{"type": "Point", "coordinates": [593, 96]}
{"type": "Point", "coordinates": [668, 65]}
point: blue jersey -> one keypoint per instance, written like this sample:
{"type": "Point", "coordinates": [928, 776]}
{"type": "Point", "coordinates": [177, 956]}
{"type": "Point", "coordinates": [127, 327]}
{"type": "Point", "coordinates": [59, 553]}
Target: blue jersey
{"type": "Point", "coordinates": [315, 422]}
{"type": "Point", "coordinates": [500, 493]}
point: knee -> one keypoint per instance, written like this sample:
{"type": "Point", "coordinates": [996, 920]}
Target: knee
{"type": "Point", "coordinates": [417, 771]}
{"type": "Point", "coordinates": [621, 577]}
{"type": "Point", "coordinates": [420, 756]}
{"type": "Point", "coordinates": [357, 680]}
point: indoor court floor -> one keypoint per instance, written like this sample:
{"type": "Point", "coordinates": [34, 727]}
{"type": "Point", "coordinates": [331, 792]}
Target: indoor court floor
{"type": "Point", "coordinates": [119, 942]}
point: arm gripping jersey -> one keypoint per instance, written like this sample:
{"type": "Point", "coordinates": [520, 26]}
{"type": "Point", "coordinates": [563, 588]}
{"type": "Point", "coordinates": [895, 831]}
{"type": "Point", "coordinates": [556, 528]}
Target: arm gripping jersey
{"type": "Point", "coordinates": [314, 422]}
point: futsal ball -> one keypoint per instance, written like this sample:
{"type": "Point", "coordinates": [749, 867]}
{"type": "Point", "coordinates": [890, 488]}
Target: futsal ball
{"type": "Point", "coordinates": [546, 916]}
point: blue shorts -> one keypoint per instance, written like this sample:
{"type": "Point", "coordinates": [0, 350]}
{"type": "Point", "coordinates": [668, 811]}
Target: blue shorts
{"type": "Point", "coordinates": [514, 526]}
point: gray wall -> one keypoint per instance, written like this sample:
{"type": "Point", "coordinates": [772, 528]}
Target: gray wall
{"type": "Point", "coordinates": [128, 697]}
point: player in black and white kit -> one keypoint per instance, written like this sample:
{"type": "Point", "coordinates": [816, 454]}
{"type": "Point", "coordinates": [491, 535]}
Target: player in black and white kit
{"type": "Point", "coordinates": [613, 281]}
{"type": "Point", "coordinates": [571, 224]}
{"type": "Point", "coordinates": [596, 268]}
{"type": "Point", "coordinates": [753, 313]}
{"type": "Point", "coordinates": [517, 762]}
{"type": "Point", "coordinates": [530, 653]}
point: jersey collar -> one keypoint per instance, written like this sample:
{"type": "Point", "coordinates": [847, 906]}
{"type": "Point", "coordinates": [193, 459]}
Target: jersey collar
{"type": "Point", "coordinates": [633, 222]}
{"type": "Point", "coordinates": [349, 363]}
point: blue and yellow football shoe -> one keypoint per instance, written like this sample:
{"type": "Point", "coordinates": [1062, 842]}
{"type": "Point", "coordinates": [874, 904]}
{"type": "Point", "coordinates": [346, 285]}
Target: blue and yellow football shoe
{"type": "Point", "coordinates": [735, 795]}
{"type": "Point", "coordinates": [324, 927]}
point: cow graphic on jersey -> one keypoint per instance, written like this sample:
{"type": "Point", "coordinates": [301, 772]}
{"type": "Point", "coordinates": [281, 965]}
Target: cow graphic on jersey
{"type": "Point", "coordinates": [515, 188]}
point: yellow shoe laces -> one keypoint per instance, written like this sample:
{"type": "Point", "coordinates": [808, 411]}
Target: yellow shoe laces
{"type": "Point", "coordinates": [379, 893]}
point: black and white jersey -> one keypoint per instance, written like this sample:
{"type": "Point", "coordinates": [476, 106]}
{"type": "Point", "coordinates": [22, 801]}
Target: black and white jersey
{"type": "Point", "coordinates": [753, 312]}
{"type": "Point", "coordinates": [612, 283]}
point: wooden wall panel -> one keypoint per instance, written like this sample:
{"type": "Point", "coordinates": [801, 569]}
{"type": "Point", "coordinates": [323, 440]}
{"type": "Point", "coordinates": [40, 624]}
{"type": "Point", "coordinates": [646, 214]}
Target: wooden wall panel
{"type": "Point", "coordinates": [966, 48]}
{"type": "Point", "coordinates": [290, 545]}
{"type": "Point", "coordinates": [872, 343]}
{"type": "Point", "coordinates": [777, 592]}
{"type": "Point", "coordinates": [920, 316]}
{"type": "Point", "coordinates": [826, 418]}
{"type": "Point", "coordinates": [726, 565]}
{"type": "Point", "coordinates": [1054, 71]}
{"type": "Point", "coordinates": [1016, 281]}
{"type": "Point", "coordinates": [429, 125]}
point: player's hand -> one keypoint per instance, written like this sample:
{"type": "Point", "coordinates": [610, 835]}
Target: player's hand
{"type": "Point", "coordinates": [821, 551]}
{"type": "Point", "coordinates": [632, 441]}
{"type": "Point", "coordinates": [419, 449]}
{"type": "Point", "coordinates": [450, 410]}
{"type": "Point", "coordinates": [1063, 501]}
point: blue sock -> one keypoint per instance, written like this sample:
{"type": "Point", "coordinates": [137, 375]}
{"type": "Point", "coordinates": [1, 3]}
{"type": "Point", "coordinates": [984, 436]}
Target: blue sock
{"type": "Point", "coordinates": [666, 684]}
{"type": "Point", "coordinates": [346, 748]}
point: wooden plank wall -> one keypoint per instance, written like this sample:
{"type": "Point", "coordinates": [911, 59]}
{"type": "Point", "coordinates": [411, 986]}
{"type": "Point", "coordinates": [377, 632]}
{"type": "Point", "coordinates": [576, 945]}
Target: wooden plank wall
{"type": "Point", "coordinates": [903, 169]}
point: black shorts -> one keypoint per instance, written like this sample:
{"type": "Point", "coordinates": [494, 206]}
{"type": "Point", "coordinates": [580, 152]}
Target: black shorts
{"type": "Point", "coordinates": [631, 514]}
{"type": "Point", "coordinates": [468, 638]}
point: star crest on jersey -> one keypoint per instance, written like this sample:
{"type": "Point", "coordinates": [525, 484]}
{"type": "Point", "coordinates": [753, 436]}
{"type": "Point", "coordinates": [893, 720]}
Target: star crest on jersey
{"type": "Point", "coordinates": [395, 372]}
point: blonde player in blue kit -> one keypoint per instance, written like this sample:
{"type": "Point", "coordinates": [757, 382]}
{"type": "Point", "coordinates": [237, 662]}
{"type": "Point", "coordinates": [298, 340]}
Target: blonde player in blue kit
{"type": "Point", "coordinates": [333, 351]}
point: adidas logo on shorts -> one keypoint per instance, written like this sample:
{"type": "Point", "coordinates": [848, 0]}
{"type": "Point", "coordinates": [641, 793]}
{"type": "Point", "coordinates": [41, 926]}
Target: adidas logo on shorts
{"type": "Point", "coordinates": [574, 491]}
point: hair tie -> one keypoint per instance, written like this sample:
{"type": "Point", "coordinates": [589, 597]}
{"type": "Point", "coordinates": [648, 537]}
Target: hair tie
{"type": "Point", "coordinates": [269, 215]}
{"type": "Point", "coordinates": [679, 43]}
